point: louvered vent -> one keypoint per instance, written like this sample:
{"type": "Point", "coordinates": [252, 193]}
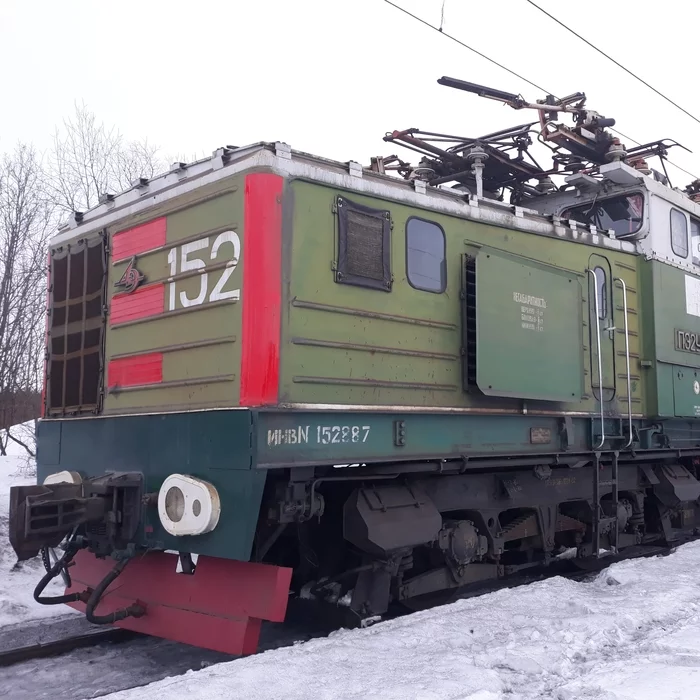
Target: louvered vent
{"type": "Point", "coordinates": [76, 328]}
{"type": "Point", "coordinates": [469, 329]}
{"type": "Point", "coordinates": [363, 245]}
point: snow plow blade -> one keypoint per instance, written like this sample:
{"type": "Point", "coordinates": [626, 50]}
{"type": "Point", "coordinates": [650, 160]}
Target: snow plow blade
{"type": "Point", "coordinates": [220, 606]}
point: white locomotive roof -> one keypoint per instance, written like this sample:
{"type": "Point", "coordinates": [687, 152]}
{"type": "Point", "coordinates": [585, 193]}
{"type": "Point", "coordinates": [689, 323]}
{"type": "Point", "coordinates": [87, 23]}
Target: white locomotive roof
{"type": "Point", "coordinates": [280, 158]}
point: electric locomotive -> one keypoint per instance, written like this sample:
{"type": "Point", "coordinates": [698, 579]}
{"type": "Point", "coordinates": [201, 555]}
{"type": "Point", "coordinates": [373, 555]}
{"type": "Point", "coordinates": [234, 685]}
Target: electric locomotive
{"type": "Point", "coordinates": [272, 376]}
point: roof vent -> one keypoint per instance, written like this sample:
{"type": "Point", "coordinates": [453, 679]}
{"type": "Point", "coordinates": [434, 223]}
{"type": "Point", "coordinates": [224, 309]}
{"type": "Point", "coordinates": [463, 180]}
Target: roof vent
{"type": "Point", "coordinates": [583, 181]}
{"type": "Point", "coordinates": [621, 173]}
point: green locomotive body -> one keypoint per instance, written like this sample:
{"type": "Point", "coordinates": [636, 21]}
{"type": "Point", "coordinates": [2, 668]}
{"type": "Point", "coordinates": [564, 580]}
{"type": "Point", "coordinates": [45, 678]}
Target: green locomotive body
{"type": "Point", "coordinates": [332, 383]}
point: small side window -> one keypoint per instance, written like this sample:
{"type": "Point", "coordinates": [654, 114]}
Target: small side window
{"type": "Point", "coordinates": [600, 290]}
{"type": "Point", "coordinates": [695, 240]}
{"type": "Point", "coordinates": [425, 256]}
{"type": "Point", "coordinates": [679, 233]}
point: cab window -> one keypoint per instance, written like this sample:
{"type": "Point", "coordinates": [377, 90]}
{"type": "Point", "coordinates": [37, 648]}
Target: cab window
{"type": "Point", "coordinates": [695, 240]}
{"type": "Point", "coordinates": [425, 255]}
{"type": "Point", "coordinates": [622, 214]}
{"type": "Point", "coordinates": [679, 233]}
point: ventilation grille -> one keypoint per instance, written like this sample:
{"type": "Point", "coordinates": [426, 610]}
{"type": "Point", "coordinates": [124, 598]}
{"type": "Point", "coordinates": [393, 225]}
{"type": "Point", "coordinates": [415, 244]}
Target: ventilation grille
{"type": "Point", "coordinates": [76, 328]}
{"type": "Point", "coordinates": [365, 249]}
{"type": "Point", "coordinates": [364, 244]}
{"type": "Point", "coordinates": [469, 322]}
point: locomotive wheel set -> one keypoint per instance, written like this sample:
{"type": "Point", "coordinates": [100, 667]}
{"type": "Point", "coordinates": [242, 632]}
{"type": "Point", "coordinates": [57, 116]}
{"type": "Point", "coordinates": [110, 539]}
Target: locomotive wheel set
{"type": "Point", "coordinates": [274, 376]}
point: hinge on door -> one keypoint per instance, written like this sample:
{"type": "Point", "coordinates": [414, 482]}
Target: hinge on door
{"type": "Point", "coordinates": [399, 433]}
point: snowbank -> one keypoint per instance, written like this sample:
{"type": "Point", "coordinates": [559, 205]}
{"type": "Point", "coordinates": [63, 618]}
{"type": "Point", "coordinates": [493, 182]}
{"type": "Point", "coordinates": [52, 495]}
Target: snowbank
{"type": "Point", "coordinates": [17, 581]}
{"type": "Point", "coordinates": [632, 633]}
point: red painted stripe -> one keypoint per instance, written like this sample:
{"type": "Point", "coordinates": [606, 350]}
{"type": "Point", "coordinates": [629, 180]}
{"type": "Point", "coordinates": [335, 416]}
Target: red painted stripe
{"type": "Point", "coordinates": [262, 289]}
{"type": "Point", "coordinates": [144, 302]}
{"type": "Point", "coordinates": [139, 239]}
{"type": "Point", "coordinates": [137, 370]}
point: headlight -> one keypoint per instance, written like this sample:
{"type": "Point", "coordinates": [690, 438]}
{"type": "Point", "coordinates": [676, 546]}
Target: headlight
{"type": "Point", "coordinates": [188, 506]}
{"type": "Point", "coordinates": [64, 477]}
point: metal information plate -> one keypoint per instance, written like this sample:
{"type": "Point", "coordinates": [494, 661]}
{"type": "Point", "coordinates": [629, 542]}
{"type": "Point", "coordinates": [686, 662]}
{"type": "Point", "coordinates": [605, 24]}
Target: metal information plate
{"type": "Point", "coordinates": [686, 341]}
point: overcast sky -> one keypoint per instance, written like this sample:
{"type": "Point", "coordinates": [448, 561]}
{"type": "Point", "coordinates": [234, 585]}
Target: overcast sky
{"type": "Point", "coordinates": [332, 77]}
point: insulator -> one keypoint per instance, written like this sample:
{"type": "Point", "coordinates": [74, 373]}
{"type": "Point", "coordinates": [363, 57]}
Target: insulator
{"type": "Point", "coordinates": [616, 151]}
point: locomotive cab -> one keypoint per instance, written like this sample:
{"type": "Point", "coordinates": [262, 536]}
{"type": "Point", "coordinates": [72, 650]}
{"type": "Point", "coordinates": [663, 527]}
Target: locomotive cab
{"type": "Point", "coordinates": [633, 204]}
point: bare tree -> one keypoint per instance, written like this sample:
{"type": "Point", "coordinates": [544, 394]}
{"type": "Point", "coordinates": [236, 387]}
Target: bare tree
{"type": "Point", "coordinates": [25, 224]}
{"type": "Point", "coordinates": [90, 159]}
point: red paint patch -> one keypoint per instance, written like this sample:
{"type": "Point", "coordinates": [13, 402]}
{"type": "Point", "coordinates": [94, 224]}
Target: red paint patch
{"type": "Point", "coordinates": [137, 370]}
{"type": "Point", "coordinates": [139, 239]}
{"type": "Point", "coordinates": [262, 289]}
{"type": "Point", "coordinates": [144, 302]}
{"type": "Point", "coordinates": [219, 607]}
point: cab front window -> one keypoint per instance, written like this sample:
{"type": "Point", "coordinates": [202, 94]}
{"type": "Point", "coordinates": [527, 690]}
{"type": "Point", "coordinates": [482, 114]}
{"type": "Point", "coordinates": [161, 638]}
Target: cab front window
{"type": "Point", "coordinates": [622, 214]}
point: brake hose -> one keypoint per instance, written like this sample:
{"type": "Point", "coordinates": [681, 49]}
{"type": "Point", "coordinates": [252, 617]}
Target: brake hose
{"type": "Point", "coordinates": [133, 610]}
{"type": "Point", "coordinates": [51, 574]}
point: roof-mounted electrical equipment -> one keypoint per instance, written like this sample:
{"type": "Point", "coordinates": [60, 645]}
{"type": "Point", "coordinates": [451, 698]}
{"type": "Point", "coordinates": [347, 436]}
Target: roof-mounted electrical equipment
{"type": "Point", "coordinates": [490, 164]}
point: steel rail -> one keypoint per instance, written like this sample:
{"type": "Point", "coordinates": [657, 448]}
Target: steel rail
{"type": "Point", "coordinates": [57, 647]}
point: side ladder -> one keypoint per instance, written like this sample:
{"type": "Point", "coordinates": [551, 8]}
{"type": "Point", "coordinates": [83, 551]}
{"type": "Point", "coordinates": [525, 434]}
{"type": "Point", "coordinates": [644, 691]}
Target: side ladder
{"type": "Point", "coordinates": [602, 522]}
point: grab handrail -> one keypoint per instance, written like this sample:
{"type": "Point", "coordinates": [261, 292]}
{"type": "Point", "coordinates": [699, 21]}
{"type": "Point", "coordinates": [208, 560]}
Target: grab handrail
{"type": "Point", "coordinates": [627, 358]}
{"type": "Point", "coordinates": [600, 359]}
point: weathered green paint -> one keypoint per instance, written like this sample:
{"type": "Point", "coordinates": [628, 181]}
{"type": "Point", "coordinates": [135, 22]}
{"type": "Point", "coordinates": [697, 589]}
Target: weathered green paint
{"type": "Point", "coordinates": [347, 437]}
{"type": "Point", "coordinates": [686, 387]}
{"type": "Point", "coordinates": [348, 345]}
{"type": "Point", "coordinates": [287, 439]}
{"type": "Point", "coordinates": [664, 385]}
{"type": "Point", "coordinates": [201, 343]}
{"type": "Point", "coordinates": [648, 367]}
{"type": "Point", "coordinates": [211, 445]}
{"type": "Point", "coordinates": [670, 373]}
{"type": "Point", "coordinates": [528, 329]}
{"type": "Point", "coordinates": [669, 300]}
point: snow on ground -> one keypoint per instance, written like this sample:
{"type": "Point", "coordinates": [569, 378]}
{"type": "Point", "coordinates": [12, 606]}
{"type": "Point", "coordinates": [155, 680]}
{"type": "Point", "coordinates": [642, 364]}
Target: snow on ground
{"type": "Point", "coordinates": [633, 633]}
{"type": "Point", "coordinates": [17, 581]}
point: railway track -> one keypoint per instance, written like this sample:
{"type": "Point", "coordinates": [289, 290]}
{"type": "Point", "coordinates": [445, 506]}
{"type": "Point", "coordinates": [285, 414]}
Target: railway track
{"type": "Point", "coordinates": [57, 647]}
{"type": "Point", "coordinates": [50, 644]}
{"type": "Point", "coordinates": [332, 617]}
{"type": "Point", "coordinates": [572, 569]}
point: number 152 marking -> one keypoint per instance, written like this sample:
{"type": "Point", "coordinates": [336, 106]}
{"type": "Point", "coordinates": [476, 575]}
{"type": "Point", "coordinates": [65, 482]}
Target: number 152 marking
{"type": "Point", "coordinates": [187, 264]}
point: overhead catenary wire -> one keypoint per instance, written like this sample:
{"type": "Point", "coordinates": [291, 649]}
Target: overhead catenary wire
{"type": "Point", "coordinates": [617, 63]}
{"type": "Point", "coordinates": [440, 30]}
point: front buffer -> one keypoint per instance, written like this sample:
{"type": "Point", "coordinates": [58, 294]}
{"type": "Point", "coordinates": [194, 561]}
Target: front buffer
{"type": "Point", "coordinates": [219, 606]}
{"type": "Point", "coordinates": [156, 517]}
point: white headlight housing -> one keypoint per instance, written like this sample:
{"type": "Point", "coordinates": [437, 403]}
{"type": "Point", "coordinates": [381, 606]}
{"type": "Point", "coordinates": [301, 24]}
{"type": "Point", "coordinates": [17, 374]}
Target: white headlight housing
{"type": "Point", "coordinates": [64, 477]}
{"type": "Point", "coordinates": [188, 506]}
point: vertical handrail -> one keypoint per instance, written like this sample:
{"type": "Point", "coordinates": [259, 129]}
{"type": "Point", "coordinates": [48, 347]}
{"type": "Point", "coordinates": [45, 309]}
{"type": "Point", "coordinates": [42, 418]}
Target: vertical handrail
{"type": "Point", "coordinates": [615, 498]}
{"type": "Point", "coordinates": [596, 505]}
{"type": "Point", "coordinates": [600, 359]}
{"type": "Point", "coordinates": [627, 358]}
